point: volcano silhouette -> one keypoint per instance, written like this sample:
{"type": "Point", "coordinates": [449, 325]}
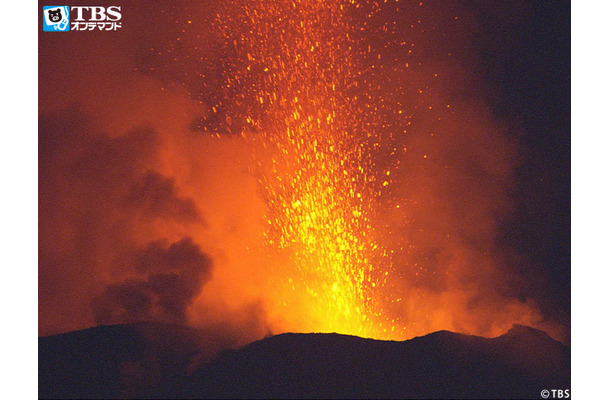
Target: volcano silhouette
{"type": "Point", "coordinates": [150, 360]}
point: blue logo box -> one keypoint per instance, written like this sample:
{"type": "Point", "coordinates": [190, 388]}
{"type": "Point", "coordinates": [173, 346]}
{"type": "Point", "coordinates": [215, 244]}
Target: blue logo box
{"type": "Point", "coordinates": [56, 18]}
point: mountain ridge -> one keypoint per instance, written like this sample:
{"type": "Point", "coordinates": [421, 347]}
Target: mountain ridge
{"type": "Point", "coordinates": [166, 361]}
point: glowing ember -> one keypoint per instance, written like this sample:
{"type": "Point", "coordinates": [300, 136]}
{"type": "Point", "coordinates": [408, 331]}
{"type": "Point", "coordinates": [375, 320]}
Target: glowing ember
{"type": "Point", "coordinates": [340, 163]}
{"type": "Point", "coordinates": [299, 80]}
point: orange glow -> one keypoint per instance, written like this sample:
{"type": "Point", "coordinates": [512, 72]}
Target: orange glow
{"type": "Point", "coordinates": [305, 91]}
{"type": "Point", "coordinates": [345, 170]}
{"type": "Point", "coordinates": [317, 182]}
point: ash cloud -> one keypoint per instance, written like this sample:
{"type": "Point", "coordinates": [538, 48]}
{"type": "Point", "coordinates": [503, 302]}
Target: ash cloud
{"type": "Point", "coordinates": [174, 276]}
{"type": "Point", "coordinates": [123, 177]}
{"type": "Point", "coordinates": [116, 236]}
{"type": "Point", "coordinates": [156, 196]}
{"type": "Point", "coordinates": [93, 189]}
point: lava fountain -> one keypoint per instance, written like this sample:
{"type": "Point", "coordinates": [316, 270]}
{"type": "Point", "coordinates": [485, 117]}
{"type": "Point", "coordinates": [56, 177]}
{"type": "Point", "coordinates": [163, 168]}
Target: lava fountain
{"type": "Point", "coordinates": [340, 162]}
{"type": "Point", "coordinates": [295, 92]}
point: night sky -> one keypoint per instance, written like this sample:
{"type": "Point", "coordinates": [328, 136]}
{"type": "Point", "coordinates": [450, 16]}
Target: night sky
{"type": "Point", "coordinates": [149, 209]}
{"type": "Point", "coordinates": [529, 64]}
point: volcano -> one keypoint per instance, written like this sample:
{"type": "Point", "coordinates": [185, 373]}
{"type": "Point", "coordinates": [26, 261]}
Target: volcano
{"type": "Point", "coordinates": [155, 360]}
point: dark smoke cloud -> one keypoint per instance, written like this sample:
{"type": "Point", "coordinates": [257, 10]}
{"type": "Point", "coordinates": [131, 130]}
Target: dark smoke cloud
{"type": "Point", "coordinates": [122, 180]}
{"type": "Point", "coordinates": [94, 190]}
{"type": "Point", "coordinates": [156, 196]}
{"type": "Point", "coordinates": [116, 240]}
{"type": "Point", "coordinates": [173, 277]}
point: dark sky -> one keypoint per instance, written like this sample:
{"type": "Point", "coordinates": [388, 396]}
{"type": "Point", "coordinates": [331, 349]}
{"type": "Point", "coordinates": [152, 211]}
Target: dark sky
{"type": "Point", "coordinates": [529, 64]}
{"type": "Point", "coordinates": [107, 101]}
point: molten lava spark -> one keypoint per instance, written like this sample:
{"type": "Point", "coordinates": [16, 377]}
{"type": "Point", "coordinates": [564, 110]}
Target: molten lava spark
{"type": "Point", "coordinates": [342, 165]}
{"type": "Point", "coordinates": [297, 92]}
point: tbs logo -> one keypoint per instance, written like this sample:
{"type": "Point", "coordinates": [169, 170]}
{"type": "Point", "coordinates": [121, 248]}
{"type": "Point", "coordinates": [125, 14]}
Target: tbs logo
{"type": "Point", "coordinates": [85, 18]}
{"type": "Point", "coordinates": [555, 394]}
{"type": "Point", "coordinates": [56, 18]}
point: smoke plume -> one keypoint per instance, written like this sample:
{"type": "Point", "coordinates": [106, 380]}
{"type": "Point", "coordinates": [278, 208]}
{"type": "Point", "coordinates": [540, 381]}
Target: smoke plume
{"type": "Point", "coordinates": [150, 198]}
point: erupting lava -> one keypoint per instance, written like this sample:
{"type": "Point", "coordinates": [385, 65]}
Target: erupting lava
{"type": "Point", "coordinates": [297, 92]}
{"type": "Point", "coordinates": [266, 166]}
